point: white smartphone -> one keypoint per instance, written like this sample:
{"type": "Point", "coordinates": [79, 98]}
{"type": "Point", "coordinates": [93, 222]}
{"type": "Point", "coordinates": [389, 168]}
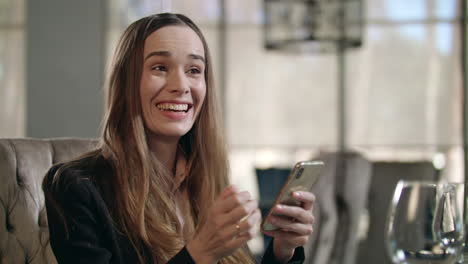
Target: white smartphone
{"type": "Point", "coordinates": [301, 178]}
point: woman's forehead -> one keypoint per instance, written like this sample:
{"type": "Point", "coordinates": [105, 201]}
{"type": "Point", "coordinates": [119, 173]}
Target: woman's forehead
{"type": "Point", "coordinates": [174, 39]}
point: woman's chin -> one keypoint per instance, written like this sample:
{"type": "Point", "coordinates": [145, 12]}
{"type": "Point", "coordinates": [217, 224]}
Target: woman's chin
{"type": "Point", "coordinates": [173, 133]}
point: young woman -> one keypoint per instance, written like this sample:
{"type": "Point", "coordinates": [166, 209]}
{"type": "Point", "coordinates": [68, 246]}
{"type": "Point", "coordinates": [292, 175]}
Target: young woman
{"type": "Point", "coordinates": [156, 189]}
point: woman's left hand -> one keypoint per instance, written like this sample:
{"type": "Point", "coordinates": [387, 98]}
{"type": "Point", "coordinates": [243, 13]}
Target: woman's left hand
{"type": "Point", "coordinates": [295, 225]}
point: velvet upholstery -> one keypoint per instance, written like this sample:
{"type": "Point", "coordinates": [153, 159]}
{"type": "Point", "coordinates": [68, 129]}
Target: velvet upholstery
{"type": "Point", "coordinates": [24, 236]}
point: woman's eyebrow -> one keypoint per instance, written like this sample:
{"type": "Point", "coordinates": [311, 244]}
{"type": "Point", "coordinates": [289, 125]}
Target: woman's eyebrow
{"type": "Point", "coordinates": [158, 53]}
{"type": "Point", "coordinates": [197, 57]}
{"type": "Point", "coordinates": [168, 54]}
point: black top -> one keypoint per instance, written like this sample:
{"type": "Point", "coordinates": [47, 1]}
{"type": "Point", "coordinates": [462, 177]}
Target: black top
{"type": "Point", "coordinates": [85, 199]}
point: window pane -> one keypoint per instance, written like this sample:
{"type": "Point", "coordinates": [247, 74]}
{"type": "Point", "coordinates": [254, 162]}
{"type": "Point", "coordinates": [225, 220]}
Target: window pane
{"type": "Point", "coordinates": [200, 11]}
{"type": "Point", "coordinates": [132, 10]}
{"type": "Point", "coordinates": [404, 86]}
{"type": "Point", "coordinates": [276, 99]}
{"type": "Point", "coordinates": [245, 11]}
{"type": "Point", "coordinates": [12, 97]}
{"type": "Point", "coordinates": [400, 10]}
{"type": "Point", "coordinates": [12, 104]}
{"type": "Point", "coordinates": [11, 12]}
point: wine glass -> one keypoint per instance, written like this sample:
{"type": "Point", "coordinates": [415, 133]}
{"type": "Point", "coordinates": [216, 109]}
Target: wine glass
{"type": "Point", "coordinates": [425, 223]}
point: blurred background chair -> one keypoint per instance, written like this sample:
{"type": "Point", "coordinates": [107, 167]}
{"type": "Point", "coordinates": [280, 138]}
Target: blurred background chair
{"type": "Point", "coordinates": [384, 179]}
{"type": "Point", "coordinates": [23, 163]}
{"type": "Point", "coordinates": [342, 193]}
{"type": "Point", "coordinates": [352, 173]}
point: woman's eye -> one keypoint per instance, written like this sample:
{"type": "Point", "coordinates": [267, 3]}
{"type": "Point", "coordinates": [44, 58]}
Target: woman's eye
{"type": "Point", "coordinates": [194, 71]}
{"type": "Point", "coordinates": [158, 68]}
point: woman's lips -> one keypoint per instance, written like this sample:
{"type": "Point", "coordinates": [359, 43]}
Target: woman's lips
{"type": "Point", "coordinates": [175, 115]}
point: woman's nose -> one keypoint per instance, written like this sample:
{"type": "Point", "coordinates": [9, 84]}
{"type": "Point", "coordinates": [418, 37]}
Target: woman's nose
{"type": "Point", "coordinates": [178, 83]}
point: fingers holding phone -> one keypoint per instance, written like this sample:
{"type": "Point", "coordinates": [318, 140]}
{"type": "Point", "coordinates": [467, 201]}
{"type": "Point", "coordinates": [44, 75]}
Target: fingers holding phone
{"type": "Point", "coordinates": [295, 192]}
{"type": "Point", "coordinates": [307, 199]}
{"type": "Point", "coordinates": [292, 218]}
{"type": "Point", "coordinates": [293, 225]}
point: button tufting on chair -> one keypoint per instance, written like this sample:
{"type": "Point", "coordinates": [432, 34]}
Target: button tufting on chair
{"type": "Point", "coordinates": [19, 181]}
{"type": "Point", "coordinates": [24, 237]}
{"type": "Point", "coordinates": [8, 225]}
{"type": "Point", "coordinates": [42, 221]}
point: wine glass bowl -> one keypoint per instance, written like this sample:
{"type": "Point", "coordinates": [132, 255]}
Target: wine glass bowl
{"type": "Point", "coordinates": [425, 223]}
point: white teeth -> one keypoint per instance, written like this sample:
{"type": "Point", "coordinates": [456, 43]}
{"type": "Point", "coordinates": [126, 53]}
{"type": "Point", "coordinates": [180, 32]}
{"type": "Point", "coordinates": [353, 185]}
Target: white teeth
{"type": "Point", "coordinates": [175, 107]}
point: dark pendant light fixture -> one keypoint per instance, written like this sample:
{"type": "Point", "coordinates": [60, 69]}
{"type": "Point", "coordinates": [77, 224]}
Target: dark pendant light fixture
{"type": "Point", "coordinates": [312, 25]}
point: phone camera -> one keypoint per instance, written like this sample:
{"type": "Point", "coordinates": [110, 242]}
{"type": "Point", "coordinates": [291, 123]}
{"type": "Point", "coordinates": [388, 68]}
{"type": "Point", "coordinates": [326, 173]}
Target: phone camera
{"type": "Point", "coordinates": [299, 173]}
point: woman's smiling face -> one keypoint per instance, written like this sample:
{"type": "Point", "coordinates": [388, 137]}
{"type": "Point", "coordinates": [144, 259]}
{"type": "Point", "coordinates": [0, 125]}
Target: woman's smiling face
{"type": "Point", "coordinates": [173, 85]}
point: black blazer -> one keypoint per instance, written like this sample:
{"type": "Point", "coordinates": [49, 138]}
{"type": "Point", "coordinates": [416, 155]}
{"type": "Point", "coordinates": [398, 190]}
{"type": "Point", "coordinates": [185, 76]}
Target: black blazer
{"type": "Point", "coordinates": [86, 199]}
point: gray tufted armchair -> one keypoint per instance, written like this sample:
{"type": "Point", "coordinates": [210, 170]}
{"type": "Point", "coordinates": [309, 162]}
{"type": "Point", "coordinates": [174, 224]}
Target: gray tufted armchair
{"type": "Point", "coordinates": [24, 236]}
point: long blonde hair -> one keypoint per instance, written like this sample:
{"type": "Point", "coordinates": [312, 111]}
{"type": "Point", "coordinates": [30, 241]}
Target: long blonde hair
{"type": "Point", "coordinates": [143, 188]}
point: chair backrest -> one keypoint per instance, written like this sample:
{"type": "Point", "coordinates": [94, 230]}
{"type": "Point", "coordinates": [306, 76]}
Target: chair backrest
{"type": "Point", "coordinates": [341, 194]}
{"type": "Point", "coordinates": [24, 236]}
{"type": "Point", "coordinates": [385, 176]}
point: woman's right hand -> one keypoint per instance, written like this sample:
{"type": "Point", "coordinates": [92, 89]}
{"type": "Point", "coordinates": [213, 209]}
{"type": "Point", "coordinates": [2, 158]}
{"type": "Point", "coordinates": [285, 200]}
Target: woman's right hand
{"type": "Point", "coordinates": [231, 223]}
